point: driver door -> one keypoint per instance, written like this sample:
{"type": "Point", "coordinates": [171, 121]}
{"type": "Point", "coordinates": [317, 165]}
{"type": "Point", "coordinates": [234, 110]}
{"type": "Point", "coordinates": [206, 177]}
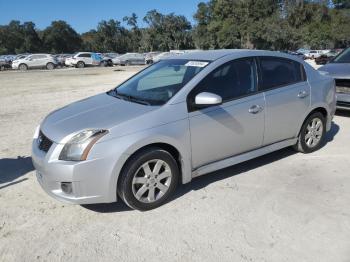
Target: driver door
{"type": "Point", "coordinates": [234, 127]}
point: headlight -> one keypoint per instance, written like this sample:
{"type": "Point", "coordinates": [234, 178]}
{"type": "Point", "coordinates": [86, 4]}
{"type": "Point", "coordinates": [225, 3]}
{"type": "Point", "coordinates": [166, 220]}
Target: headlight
{"type": "Point", "coordinates": [36, 133]}
{"type": "Point", "coordinates": [79, 146]}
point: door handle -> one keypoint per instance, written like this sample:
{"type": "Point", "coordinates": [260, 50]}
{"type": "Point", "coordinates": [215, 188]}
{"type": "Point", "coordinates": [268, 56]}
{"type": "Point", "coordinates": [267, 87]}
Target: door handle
{"type": "Point", "coordinates": [303, 94]}
{"type": "Point", "coordinates": [255, 109]}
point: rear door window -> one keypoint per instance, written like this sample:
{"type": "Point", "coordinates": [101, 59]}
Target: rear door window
{"type": "Point", "coordinates": [278, 72]}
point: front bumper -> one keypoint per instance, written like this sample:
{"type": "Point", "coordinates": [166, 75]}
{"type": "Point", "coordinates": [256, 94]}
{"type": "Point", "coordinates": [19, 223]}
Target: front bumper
{"type": "Point", "coordinates": [343, 93]}
{"type": "Point", "coordinates": [92, 180]}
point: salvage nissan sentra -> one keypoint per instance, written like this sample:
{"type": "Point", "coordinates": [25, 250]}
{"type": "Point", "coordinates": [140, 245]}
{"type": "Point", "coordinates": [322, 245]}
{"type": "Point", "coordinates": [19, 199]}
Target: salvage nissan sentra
{"type": "Point", "coordinates": [178, 119]}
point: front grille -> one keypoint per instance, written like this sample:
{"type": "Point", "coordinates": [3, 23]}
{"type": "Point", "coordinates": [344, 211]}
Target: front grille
{"type": "Point", "coordinates": [343, 86]}
{"type": "Point", "coordinates": [43, 142]}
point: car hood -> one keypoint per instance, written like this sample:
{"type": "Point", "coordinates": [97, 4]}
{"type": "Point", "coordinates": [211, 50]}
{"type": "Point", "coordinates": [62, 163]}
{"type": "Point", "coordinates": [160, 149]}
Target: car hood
{"type": "Point", "coordinates": [337, 70]}
{"type": "Point", "coordinates": [98, 112]}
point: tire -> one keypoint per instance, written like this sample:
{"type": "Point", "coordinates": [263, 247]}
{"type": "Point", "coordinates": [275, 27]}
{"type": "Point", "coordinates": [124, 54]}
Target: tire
{"type": "Point", "coordinates": [50, 66]}
{"type": "Point", "coordinates": [312, 134]}
{"type": "Point", "coordinates": [80, 64]}
{"type": "Point", "coordinates": [23, 67]}
{"type": "Point", "coordinates": [137, 193]}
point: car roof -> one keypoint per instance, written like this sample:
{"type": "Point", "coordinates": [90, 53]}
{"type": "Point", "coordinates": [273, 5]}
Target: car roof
{"type": "Point", "coordinates": [212, 55]}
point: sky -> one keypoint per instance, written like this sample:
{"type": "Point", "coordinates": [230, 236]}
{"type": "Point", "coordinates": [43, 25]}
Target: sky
{"type": "Point", "coordinates": [84, 15]}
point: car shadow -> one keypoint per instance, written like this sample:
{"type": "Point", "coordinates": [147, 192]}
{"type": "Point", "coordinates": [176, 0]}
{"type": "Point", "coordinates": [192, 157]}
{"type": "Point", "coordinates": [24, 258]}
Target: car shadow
{"type": "Point", "coordinates": [205, 180]}
{"type": "Point", "coordinates": [340, 112]}
{"type": "Point", "coordinates": [13, 168]}
{"type": "Point", "coordinates": [331, 134]}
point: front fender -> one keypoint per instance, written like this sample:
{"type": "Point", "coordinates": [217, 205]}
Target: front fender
{"type": "Point", "coordinates": [120, 149]}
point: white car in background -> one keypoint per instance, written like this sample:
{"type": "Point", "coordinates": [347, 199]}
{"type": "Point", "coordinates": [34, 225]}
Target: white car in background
{"type": "Point", "coordinates": [312, 54]}
{"type": "Point", "coordinates": [83, 59]}
{"type": "Point", "coordinates": [35, 61]}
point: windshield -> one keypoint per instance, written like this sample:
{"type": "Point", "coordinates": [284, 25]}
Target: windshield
{"type": "Point", "coordinates": [158, 83]}
{"type": "Point", "coordinates": [343, 57]}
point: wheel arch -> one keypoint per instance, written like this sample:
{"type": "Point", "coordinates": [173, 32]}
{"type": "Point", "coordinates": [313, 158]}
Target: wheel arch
{"type": "Point", "coordinates": [173, 149]}
{"type": "Point", "coordinates": [319, 108]}
{"type": "Point", "coordinates": [23, 64]}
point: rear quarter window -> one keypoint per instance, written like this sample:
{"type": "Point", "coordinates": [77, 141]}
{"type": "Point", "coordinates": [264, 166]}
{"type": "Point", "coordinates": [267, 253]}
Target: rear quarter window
{"type": "Point", "coordinates": [278, 72]}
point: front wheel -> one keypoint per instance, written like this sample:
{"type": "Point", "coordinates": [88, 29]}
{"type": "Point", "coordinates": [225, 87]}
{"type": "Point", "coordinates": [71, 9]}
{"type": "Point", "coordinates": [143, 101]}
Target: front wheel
{"type": "Point", "coordinates": [312, 133]}
{"type": "Point", "coordinates": [148, 179]}
{"type": "Point", "coordinates": [50, 66]}
{"type": "Point", "coordinates": [80, 64]}
{"type": "Point", "coordinates": [23, 67]}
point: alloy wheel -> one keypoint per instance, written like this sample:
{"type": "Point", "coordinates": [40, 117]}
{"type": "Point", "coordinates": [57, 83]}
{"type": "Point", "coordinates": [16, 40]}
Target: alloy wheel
{"type": "Point", "coordinates": [151, 181]}
{"type": "Point", "coordinates": [314, 132]}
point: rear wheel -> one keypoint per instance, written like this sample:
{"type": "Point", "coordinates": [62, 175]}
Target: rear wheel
{"type": "Point", "coordinates": [50, 66]}
{"type": "Point", "coordinates": [23, 67]}
{"type": "Point", "coordinates": [312, 133]}
{"type": "Point", "coordinates": [148, 179]}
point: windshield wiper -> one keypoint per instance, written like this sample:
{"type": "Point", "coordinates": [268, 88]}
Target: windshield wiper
{"type": "Point", "coordinates": [129, 98]}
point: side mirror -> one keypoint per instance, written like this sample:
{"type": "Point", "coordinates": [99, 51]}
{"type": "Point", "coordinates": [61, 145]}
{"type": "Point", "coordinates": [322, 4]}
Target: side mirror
{"type": "Point", "coordinates": [207, 99]}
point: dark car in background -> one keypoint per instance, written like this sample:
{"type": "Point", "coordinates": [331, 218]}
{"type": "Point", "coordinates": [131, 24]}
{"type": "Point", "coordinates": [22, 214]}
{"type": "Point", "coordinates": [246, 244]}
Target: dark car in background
{"type": "Point", "coordinates": [107, 58]}
{"type": "Point", "coordinates": [325, 58]}
{"type": "Point", "coordinates": [5, 64]}
{"type": "Point", "coordinates": [130, 59]}
{"type": "Point", "coordinates": [339, 69]}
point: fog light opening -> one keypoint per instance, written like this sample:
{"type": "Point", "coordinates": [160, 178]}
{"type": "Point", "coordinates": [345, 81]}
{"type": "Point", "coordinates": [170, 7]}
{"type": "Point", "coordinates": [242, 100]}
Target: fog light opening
{"type": "Point", "coordinates": [67, 187]}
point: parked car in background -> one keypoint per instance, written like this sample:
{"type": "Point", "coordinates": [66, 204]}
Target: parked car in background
{"type": "Point", "coordinates": [339, 69]}
{"type": "Point", "coordinates": [61, 59]}
{"type": "Point", "coordinates": [325, 58]}
{"type": "Point", "coordinates": [149, 57]}
{"type": "Point", "coordinates": [130, 59]}
{"type": "Point", "coordinates": [21, 56]}
{"type": "Point", "coordinates": [35, 61]}
{"type": "Point", "coordinates": [107, 59]}
{"type": "Point", "coordinates": [295, 53]}
{"type": "Point", "coordinates": [83, 59]}
{"type": "Point", "coordinates": [312, 54]}
{"type": "Point", "coordinates": [178, 119]}
{"type": "Point", "coordinates": [5, 64]}
{"type": "Point", "coordinates": [164, 55]}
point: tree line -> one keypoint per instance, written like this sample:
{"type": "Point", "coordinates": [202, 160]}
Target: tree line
{"type": "Point", "coordinates": [260, 24]}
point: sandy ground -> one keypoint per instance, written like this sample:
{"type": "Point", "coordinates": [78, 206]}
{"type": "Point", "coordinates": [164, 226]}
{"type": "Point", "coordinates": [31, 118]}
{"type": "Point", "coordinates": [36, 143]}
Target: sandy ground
{"type": "Point", "coordinates": [284, 206]}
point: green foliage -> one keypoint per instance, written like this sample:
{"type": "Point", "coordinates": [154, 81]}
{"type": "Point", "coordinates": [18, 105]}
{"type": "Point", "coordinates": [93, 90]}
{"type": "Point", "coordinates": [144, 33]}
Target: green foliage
{"type": "Point", "coordinates": [272, 24]}
{"type": "Point", "coordinates": [18, 38]}
{"type": "Point", "coordinates": [60, 37]}
{"type": "Point", "coordinates": [261, 24]}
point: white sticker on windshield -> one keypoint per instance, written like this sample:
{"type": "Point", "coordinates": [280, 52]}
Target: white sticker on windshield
{"type": "Point", "coordinates": [196, 63]}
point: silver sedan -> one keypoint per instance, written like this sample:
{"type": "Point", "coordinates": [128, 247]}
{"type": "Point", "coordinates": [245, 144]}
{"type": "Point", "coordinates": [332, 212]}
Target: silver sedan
{"type": "Point", "coordinates": [180, 118]}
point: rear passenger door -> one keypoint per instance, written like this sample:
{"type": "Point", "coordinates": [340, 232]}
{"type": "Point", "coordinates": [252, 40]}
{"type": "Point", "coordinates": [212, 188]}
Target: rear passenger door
{"type": "Point", "coordinates": [34, 61]}
{"type": "Point", "coordinates": [236, 126]}
{"type": "Point", "coordinates": [86, 58]}
{"type": "Point", "coordinates": [287, 96]}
